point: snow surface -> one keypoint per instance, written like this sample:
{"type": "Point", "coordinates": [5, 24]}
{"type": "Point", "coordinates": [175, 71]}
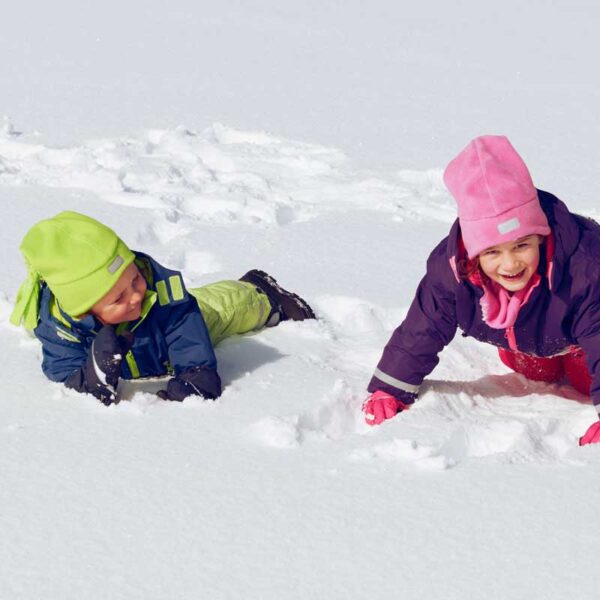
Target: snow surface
{"type": "Point", "coordinates": [279, 489]}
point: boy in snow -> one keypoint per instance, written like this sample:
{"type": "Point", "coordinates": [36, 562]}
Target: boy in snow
{"type": "Point", "coordinates": [518, 271]}
{"type": "Point", "coordinates": [104, 312]}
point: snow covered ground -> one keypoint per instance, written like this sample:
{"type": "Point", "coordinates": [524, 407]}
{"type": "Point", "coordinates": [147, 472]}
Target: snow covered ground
{"type": "Point", "coordinates": [279, 489]}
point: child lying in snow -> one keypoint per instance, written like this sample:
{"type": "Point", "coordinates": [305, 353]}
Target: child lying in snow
{"type": "Point", "coordinates": [518, 271]}
{"type": "Point", "coordinates": [103, 312]}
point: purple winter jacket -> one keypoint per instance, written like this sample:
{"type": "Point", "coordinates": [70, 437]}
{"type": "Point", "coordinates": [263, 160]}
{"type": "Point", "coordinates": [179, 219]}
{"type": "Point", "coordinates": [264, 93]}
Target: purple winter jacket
{"type": "Point", "coordinates": [562, 311]}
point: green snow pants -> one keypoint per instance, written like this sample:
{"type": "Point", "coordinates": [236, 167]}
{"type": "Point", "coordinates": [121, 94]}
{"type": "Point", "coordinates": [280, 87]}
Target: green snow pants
{"type": "Point", "coordinates": [231, 307]}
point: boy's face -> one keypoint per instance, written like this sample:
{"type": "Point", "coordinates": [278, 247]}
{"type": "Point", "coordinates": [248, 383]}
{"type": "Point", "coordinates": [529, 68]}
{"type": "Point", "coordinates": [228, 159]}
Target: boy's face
{"type": "Point", "coordinates": [124, 301]}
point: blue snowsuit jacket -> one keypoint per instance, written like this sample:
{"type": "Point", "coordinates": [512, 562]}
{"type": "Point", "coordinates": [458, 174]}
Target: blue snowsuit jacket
{"type": "Point", "coordinates": [170, 335]}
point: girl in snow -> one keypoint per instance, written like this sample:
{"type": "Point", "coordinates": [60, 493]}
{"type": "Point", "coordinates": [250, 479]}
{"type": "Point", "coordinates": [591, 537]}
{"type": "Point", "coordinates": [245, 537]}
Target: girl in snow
{"type": "Point", "coordinates": [103, 312]}
{"type": "Point", "coordinates": [518, 271]}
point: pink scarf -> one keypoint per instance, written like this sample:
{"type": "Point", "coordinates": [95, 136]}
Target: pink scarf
{"type": "Point", "coordinates": [499, 307]}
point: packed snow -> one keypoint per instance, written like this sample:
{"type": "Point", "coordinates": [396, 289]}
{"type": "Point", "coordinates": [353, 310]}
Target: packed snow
{"type": "Point", "coordinates": [279, 489]}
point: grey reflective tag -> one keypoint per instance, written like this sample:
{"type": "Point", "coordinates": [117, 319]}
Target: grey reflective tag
{"type": "Point", "coordinates": [509, 225]}
{"type": "Point", "coordinates": [115, 264]}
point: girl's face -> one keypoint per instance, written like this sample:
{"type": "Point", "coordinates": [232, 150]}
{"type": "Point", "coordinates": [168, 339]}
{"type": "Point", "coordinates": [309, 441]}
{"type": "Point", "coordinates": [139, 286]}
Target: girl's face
{"type": "Point", "coordinates": [512, 264]}
{"type": "Point", "coordinates": [124, 301]}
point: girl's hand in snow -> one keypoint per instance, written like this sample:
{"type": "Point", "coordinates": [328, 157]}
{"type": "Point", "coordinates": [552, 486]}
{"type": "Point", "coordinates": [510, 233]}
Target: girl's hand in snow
{"type": "Point", "coordinates": [381, 406]}
{"type": "Point", "coordinates": [592, 435]}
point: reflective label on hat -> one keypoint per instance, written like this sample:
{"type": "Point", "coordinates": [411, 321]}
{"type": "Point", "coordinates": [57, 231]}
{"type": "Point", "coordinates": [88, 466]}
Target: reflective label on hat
{"type": "Point", "coordinates": [115, 264]}
{"type": "Point", "coordinates": [509, 225]}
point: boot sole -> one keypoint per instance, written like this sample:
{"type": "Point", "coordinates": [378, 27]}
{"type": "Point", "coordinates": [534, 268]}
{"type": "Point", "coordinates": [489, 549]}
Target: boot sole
{"type": "Point", "coordinates": [289, 302]}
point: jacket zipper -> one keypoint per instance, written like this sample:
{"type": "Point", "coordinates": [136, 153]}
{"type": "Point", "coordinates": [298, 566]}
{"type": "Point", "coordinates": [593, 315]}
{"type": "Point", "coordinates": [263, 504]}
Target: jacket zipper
{"type": "Point", "coordinates": [512, 339]}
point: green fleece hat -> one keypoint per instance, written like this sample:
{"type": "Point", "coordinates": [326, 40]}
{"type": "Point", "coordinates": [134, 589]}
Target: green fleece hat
{"type": "Point", "coordinates": [80, 260]}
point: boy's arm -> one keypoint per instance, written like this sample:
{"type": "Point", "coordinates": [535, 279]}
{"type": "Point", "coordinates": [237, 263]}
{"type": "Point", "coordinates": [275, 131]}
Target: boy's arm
{"type": "Point", "coordinates": [63, 351]}
{"type": "Point", "coordinates": [94, 371]}
{"type": "Point", "coordinates": [191, 354]}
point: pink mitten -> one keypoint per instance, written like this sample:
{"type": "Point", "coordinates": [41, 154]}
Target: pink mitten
{"type": "Point", "coordinates": [592, 435]}
{"type": "Point", "coordinates": [381, 406]}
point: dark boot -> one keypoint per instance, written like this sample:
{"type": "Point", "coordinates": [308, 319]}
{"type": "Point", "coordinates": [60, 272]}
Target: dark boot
{"type": "Point", "coordinates": [287, 305]}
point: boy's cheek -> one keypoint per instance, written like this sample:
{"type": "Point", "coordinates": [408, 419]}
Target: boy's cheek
{"type": "Point", "coordinates": [100, 316]}
{"type": "Point", "coordinates": [107, 317]}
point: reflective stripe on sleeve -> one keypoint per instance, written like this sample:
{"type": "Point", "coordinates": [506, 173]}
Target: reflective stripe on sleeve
{"type": "Point", "coordinates": [401, 385]}
{"type": "Point", "coordinates": [61, 333]}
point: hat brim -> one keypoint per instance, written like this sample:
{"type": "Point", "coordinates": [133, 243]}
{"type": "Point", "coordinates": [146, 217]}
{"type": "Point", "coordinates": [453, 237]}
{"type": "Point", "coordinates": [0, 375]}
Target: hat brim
{"type": "Point", "coordinates": [518, 222]}
{"type": "Point", "coordinates": [76, 298]}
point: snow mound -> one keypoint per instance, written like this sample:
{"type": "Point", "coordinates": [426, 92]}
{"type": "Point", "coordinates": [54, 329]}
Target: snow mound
{"type": "Point", "coordinates": [220, 175]}
{"type": "Point", "coordinates": [336, 415]}
{"type": "Point", "coordinates": [501, 419]}
{"type": "Point", "coordinates": [5, 309]}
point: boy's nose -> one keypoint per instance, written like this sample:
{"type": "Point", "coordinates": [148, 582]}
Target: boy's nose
{"type": "Point", "coordinates": [135, 298]}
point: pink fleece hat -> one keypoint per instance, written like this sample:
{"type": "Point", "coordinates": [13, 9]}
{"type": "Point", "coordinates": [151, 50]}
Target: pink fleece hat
{"type": "Point", "coordinates": [497, 201]}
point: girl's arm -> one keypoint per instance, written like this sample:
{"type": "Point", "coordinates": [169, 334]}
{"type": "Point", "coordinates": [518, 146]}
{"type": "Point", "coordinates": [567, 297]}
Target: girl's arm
{"type": "Point", "coordinates": [586, 331]}
{"type": "Point", "coordinates": [412, 352]}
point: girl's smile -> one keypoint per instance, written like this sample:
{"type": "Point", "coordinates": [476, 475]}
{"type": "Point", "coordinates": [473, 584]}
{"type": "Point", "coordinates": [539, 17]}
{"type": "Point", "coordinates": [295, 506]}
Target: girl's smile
{"type": "Point", "coordinates": [515, 277]}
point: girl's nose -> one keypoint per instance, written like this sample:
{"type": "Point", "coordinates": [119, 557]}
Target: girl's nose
{"type": "Point", "coordinates": [510, 263]}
